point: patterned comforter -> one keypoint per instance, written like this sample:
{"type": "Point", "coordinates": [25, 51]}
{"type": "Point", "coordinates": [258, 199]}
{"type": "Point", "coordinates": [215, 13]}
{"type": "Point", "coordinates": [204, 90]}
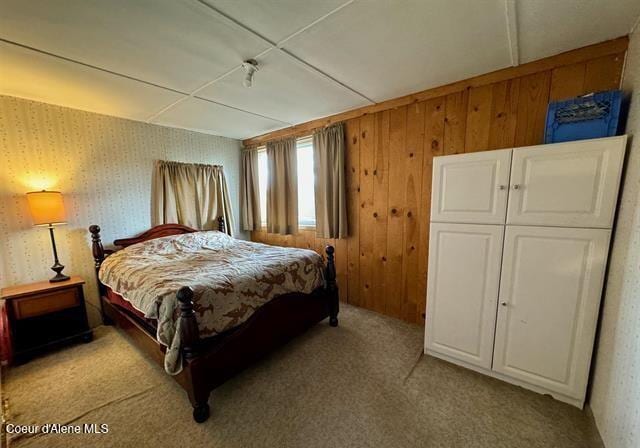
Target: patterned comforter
{"type": "Point", "coordinates": [230, 279]}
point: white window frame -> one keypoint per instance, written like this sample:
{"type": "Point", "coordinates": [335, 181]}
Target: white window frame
{"type": "Point", "coordinates": [262, 192]}
{"type": "Point", "coordinates": [306, 143]}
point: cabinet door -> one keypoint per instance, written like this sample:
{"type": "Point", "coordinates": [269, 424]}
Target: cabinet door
{"type": "Point", "coordinates": [572, 184]}
{"type": "Point", "coordinates": [464, 273]}
{"type": "Point", "coordinates": [471, 188]}
{"type": "Point", "coordinates": [550, 290]}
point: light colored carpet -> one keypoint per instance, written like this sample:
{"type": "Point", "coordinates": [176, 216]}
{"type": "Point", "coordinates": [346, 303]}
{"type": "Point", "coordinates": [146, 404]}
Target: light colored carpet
{"type": "Point", "coordinates": [363, 384]}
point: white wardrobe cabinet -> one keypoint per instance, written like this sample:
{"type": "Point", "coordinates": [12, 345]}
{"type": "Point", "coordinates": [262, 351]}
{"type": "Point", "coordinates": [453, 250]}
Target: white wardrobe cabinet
{"type": "Point", "coordinates": [550, 290]}
{"type": "Point", "coordinates": [471, 189]}
{"type": "Point", "coordinates": [464, 267]}
{"type": "Point", "coordinates": [572, 184]}
{"type": "Point", "coordinates": [517, 255]}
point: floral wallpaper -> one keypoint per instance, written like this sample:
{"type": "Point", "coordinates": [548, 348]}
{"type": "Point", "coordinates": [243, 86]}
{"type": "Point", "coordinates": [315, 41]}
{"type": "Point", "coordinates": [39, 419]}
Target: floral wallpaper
{"type": "Point", "coordinates": [103, 167]}
{"type": "Point", "coordinates": [615, 393]}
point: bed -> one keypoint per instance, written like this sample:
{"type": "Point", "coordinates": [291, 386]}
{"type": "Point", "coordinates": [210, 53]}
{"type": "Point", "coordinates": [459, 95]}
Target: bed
{"type": "Point", "coordinates": [205, 306]}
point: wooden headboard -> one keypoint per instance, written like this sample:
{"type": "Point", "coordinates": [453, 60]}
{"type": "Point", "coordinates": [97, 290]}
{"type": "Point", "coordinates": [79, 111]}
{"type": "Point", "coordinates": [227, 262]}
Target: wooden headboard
{"type": "Point", "coordinates": [99, 252]}
{"type": "Point", "coordinates": [162, 230]}
{"type": "Point", "coordinates": [153, 233]}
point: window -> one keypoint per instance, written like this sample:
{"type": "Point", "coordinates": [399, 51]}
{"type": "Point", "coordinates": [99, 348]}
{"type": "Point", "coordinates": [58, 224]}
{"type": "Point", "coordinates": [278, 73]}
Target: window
{"type": "Point", "coordinates": [306, 196]}
{"type": "Point", "coordinates": [263, 171]}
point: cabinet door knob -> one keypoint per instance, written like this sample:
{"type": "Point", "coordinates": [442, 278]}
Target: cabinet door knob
{"type": "Point", "coordinates": [501, 187]}
{"type": "Point", "coordinates": [516, 186]}
{"type": "Point", "coordinates": [503, 303]}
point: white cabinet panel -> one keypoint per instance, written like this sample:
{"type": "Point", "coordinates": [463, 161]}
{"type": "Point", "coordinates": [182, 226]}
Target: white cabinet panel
{"type": "Point", "coordinates": [471, 188]}
{"type": "Point", "coordinates": [573, 184]}
{"type": "Point", "coordinates": [464, 273]}
{"type": "Point", "coordinates": [550, 290]}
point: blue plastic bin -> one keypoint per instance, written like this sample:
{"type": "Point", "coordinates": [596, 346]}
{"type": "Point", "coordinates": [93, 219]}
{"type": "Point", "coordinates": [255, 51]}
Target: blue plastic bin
{"type": "Point", "coordinates": [590, 116]}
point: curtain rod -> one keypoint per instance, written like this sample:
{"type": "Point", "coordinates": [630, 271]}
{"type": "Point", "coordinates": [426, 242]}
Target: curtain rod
{"type": "Point", "coordinates": [297, 136]}
{"type": "Point", "coordinates": [175, 162]}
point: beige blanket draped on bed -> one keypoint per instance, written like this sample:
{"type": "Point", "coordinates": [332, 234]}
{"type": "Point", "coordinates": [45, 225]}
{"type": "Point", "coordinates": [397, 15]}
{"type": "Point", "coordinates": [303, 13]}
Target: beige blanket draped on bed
{"type": "Point", "coordinates": [191, 194]}
{"type": "Point", "coordinates": [230, 278]}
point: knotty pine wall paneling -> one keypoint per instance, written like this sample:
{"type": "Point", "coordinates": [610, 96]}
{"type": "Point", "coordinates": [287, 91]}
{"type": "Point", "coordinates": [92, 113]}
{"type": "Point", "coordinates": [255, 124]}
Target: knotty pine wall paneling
{"type": "Point", "coordinates": [380, 275]}
{"type": "Point", "coordinates": [382, 266]}
{"type": "Point", "coordinates": [352, 166]}
{"type": "Point", "coordinates": [504, 113]}
{"type": "Point", "coordinates": [413, 156]}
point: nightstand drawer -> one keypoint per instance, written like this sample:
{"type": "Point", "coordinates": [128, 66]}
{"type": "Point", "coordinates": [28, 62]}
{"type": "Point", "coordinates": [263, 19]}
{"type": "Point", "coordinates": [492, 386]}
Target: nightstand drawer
{"type": "Point", "coordinates": [45, 303]}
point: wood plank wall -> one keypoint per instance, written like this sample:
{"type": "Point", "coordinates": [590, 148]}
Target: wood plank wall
{"type": "Point", "coordinates": [382, 266]}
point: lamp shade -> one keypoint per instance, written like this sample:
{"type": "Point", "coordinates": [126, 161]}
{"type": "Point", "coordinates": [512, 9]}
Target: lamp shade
{"type": "Point", "coordinates": [46, 207]}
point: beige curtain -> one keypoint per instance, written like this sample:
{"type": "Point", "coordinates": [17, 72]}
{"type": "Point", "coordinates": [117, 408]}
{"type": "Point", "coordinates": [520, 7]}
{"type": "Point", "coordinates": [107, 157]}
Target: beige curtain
{"type": "Point", "coordinates": [330, 191]}
{"type": "Point", "coordinates": [190, 194]}
{"type": "Point", "coordinates": [249, 191]}
{"type": "Point", "coordinates": [282, 187]}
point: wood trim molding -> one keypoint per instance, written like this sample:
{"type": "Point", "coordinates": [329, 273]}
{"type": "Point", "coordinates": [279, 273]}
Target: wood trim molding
{"type": "Point", "coordinates": [609, 47]}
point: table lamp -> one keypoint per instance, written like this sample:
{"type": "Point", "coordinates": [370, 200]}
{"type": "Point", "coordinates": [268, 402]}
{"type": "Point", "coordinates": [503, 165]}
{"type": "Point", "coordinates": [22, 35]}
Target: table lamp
{"type": "Point", "coordinates": [47, 209]}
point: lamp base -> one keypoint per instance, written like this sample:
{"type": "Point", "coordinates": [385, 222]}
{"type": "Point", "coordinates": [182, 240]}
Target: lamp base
{"type": "Point", "coordinates": [59, 277]}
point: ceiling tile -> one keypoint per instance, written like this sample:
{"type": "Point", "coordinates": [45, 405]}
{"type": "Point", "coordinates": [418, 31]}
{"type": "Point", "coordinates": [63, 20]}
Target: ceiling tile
{"type": "Point", "coordinates": [180, 44]}
{"type": "Point", "coordinates": [387, 49]}
{"type": "Point", "coordinates": [205, 116]}
{"type": "Point", "coordinates": [36, 76]}
{"type": "Point", "coordinates": [275, 19]}
{"type": "Point", "coordinates": [284, 89]}
{"type": "Point", "coordinates": [548, 27]}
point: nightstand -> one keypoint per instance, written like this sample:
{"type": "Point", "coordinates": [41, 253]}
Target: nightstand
{"type": "Point", "coordinates": [44, 315]}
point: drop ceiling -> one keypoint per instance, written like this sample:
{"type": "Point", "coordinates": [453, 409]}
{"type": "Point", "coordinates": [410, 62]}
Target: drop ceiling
{"type": "Point", "coordinates": [178, 62]}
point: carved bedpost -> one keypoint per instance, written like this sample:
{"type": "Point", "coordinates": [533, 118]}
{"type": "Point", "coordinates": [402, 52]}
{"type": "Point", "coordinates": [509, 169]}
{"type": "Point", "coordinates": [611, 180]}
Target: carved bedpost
{"type": "Point", "coordinates": [98, 257]}
{"type": "Point", "coordinates": [221, 225]}
{"type": "Point", "coordinates": [189, 334]}
{"type": "Point", "coordinates": [332, 287]}
{"type": "Point", "coordinates": [190, 338]}
{"type": "Point", "coordinates": [96, 245]}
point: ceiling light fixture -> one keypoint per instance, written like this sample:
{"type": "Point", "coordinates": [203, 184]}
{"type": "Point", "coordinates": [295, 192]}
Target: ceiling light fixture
{"type": "Point", "coordinates": [250, 66]}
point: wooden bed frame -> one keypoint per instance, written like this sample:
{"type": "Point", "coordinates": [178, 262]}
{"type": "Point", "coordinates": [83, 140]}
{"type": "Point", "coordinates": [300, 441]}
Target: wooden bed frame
{"type": "Point", "coordinates": [209, 362]}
